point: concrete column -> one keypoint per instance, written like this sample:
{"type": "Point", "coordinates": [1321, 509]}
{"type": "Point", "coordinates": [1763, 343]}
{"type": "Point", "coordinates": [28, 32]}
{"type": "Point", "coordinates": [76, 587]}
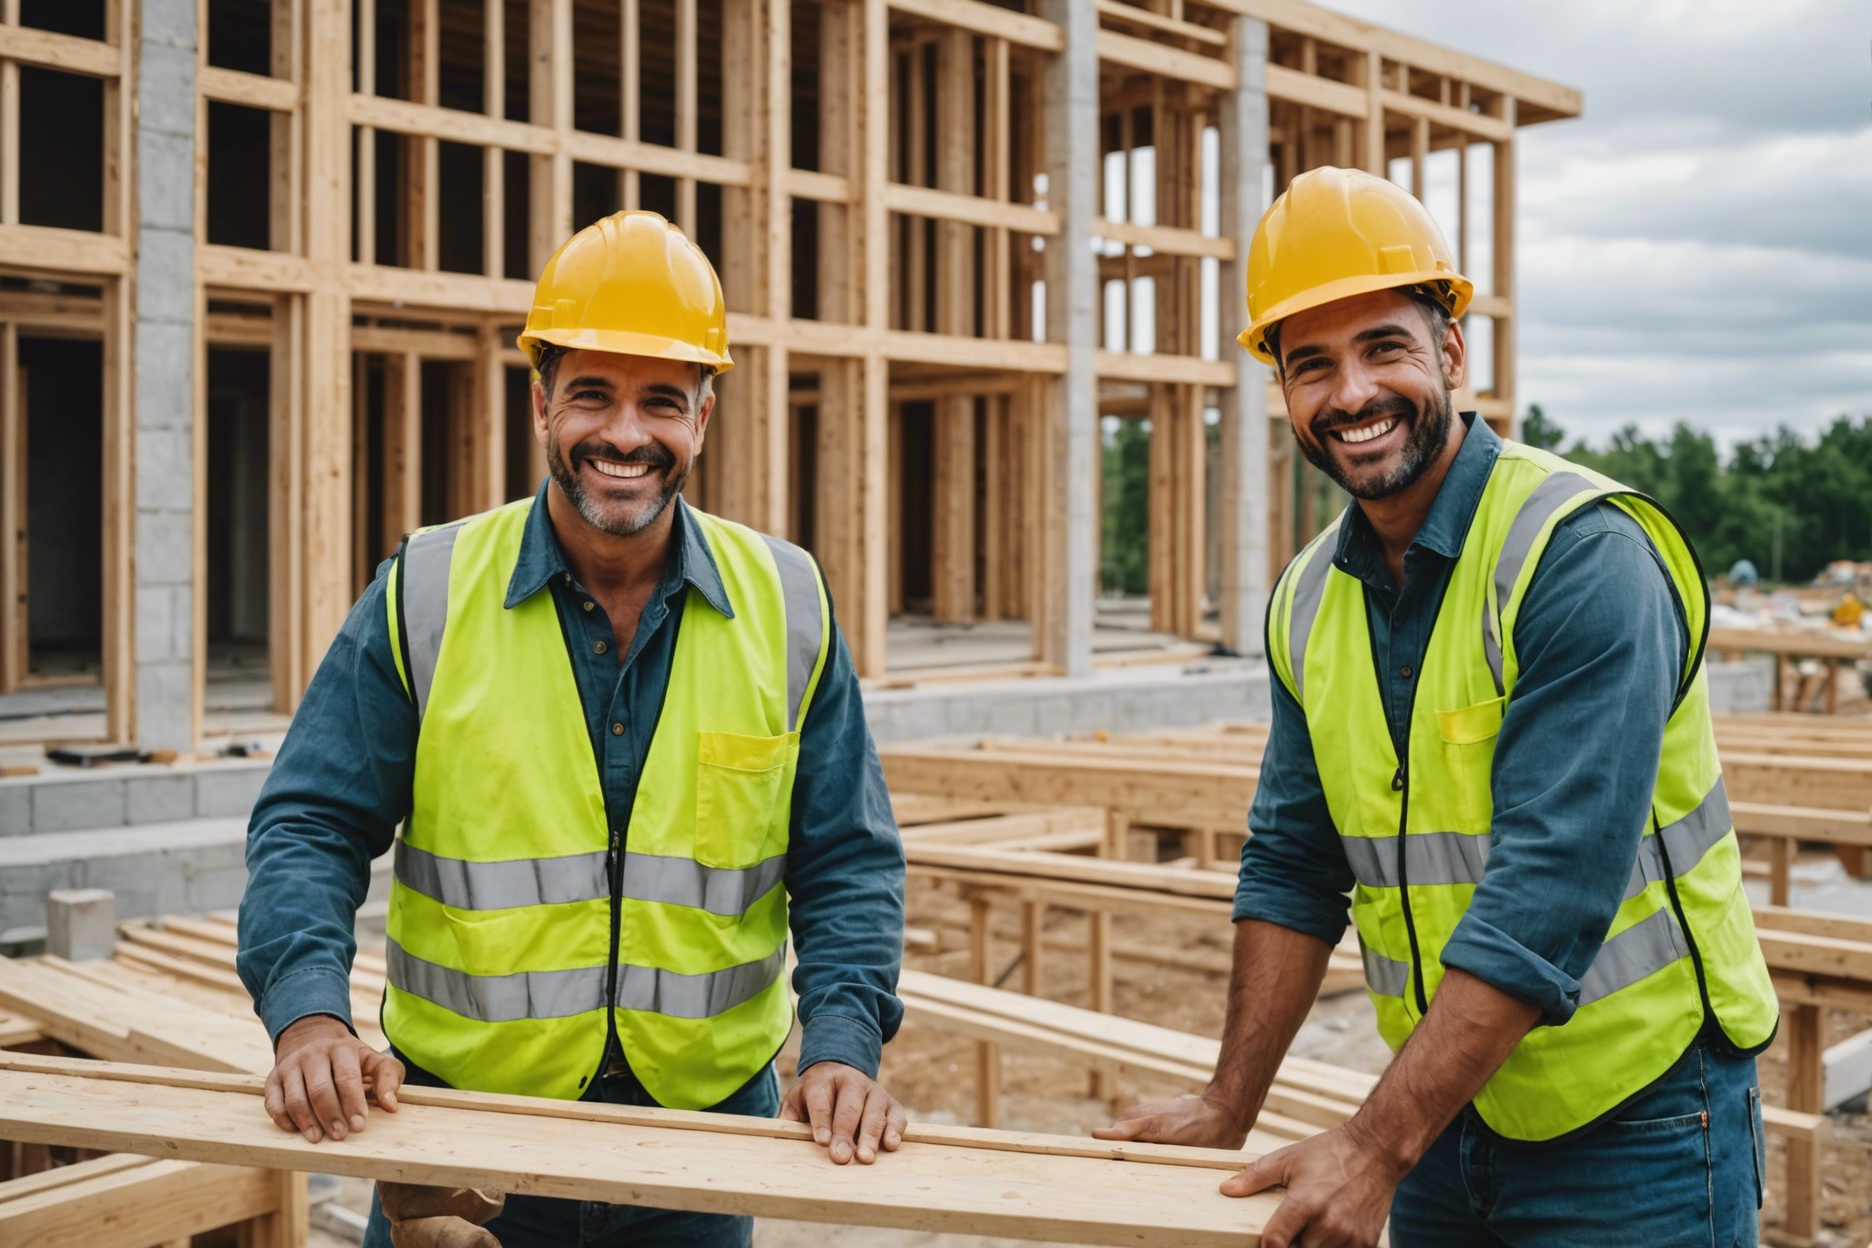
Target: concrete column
{"type": "Point", "coordinates": [1071, 115]}
{"type": "Point", "coordinates": [1243, 507]}
{"type": "Point", "coordinates": [165, 362]}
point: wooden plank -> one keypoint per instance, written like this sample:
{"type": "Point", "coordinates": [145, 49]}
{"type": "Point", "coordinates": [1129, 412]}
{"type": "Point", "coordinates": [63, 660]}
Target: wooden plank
{"type": "Point", "coordinates": [987, 19]}
{"type": "Point", "coordinates": [1145, 19]}
{"type": "Point", "coordinates": [1339, 98]}
{"type": "Point", "coordinates": [950, 1179]}
{"type": "Point", "coordinates": [1201, 794]}
{"type": "Point", "coordinates": [1168, 239]}
{"type": "Point", "coordinates": [29, 45]}
{"type": "Point", "coordinates": [248, 90]}
{"type": "Point", "coordinates": [135, 1206]}
{"type": "Point", "coordinates": [944, 205]}
{"type": "Point", "coordinates": [1158, 58]}
{"type": "Point", "coordinates": [76, 251]}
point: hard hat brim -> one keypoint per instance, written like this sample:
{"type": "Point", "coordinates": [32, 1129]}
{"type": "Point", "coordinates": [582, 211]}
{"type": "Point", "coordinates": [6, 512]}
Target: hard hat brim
{"type": "Point", "coordinates": [1254, 338]}
{"type": "Point", "coordinates": [623, 342]}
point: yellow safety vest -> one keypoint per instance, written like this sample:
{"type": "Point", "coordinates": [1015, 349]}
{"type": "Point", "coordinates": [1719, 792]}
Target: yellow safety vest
{"type": "Point", "coordinates": [518, 917]}
{"type": "Point", "coordinates": [1416, 830]}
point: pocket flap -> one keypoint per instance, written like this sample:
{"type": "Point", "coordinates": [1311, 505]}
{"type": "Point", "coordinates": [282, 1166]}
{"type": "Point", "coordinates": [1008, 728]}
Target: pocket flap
{"type": "Point", "coordinates": [728, 749]}
{"type": "Point", "coordinates": [1471, 724]}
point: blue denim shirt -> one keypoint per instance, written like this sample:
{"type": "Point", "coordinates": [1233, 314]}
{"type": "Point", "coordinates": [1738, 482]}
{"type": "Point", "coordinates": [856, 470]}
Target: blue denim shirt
{"type": "Point", "coordinates": [1602, 640]}
{"type": "Point", "coordinates": [342, 784]}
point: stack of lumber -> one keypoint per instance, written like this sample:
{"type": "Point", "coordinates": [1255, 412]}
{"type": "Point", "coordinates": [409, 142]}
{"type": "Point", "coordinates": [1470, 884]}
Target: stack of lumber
{"type": "Point", "coordinates": [168, 1005]}
{"type": "Point", "coordinates": [952, 1179]}
{"type": "Point", "coordinates": [1790, 778]}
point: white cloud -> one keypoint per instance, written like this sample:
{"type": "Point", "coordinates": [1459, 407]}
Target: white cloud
{"type": "Point", "coordinates": [1698, 245]}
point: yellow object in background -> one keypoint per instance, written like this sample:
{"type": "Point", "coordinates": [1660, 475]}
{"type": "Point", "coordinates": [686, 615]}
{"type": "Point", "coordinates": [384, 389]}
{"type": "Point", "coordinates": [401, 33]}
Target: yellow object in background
{"type": "Point", "coordinates": [1846, 614]}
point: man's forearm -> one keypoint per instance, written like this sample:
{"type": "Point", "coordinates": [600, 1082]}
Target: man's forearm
{"type": "Point", "coordinates": [1469, 1032]}
{"type": "Point", "coordinates": [1276, 976]}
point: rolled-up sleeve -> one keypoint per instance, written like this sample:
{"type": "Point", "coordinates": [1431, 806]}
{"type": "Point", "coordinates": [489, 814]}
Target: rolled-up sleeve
{"type": "Point", "coordinates": [845, 880]}
{"type": "Point", "coordinates": [330, 804]}
{"type": "Point", "coordinates": [1293, 872]}
{"type": "Point", "coordinates": [1601, 642]}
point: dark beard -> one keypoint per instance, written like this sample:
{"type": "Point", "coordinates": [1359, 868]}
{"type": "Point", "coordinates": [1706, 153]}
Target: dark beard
{"type": "Point", "coordinates": [564, 468]}
{"type": "Point", "coordinates": [1423, 442]}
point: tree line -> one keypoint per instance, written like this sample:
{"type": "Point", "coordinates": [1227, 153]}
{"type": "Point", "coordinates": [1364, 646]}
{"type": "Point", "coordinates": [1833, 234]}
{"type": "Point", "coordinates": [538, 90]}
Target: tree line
{"type": "Point", "coordinates": [1786, 504]}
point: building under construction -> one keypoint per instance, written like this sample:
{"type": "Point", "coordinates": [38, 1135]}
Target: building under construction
{"type": "Point", "coordinates": [262, 264]}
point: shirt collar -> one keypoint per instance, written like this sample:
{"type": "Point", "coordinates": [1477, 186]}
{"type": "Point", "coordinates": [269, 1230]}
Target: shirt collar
{"type": "Point", "coordinates": [541, 558]}
{"type": "Point", "coordinates": [1447, 525]}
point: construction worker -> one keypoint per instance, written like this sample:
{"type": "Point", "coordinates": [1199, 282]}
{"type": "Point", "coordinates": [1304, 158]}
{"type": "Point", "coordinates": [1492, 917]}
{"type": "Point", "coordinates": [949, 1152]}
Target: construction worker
{"type": "Point", "coordinates": [1491, 730]}
{"type": "Point", "coordinates": [626, 744]}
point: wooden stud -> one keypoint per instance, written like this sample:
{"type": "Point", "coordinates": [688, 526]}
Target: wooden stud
{"type": "Point", "coordinates": [987, 1054]}
{"type": "Point", "coordinates": [15, 641]}
{"type": "Point", "coordinates": [1803, 1026]}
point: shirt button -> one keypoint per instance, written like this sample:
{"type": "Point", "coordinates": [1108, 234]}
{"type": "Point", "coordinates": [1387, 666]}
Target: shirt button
{"type": "Point", "coordinates": [600, 649]}
{"type": "Point", "coordinates": [568, 578]}
{"type": "Point", "coordinates": [588, 606]}
{"type": "Point", "coordinates": [617, 730]}
{"type": "Point", "coordinates": [1404, 672]}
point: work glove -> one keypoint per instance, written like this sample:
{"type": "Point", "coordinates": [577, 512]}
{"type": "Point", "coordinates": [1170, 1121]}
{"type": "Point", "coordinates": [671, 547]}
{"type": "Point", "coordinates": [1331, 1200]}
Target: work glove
{"type": "Point", "coordinates": [439, 1217]}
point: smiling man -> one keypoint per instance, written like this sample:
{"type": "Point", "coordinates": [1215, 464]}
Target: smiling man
{"type": "Point", "coordinates": [1491, 732]}
{"type": "Point", "coordinates": [626, 745]}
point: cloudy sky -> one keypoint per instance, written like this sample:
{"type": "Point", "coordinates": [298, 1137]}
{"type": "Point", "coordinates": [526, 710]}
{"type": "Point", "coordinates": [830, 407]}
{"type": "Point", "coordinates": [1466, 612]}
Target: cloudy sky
{"type": "Point", "coordinates": [1698, 245]}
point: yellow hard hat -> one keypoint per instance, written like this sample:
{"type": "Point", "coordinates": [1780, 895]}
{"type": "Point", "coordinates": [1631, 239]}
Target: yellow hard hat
{"type": "Point", "coordinates": [631, 284]}
{"type": "Point", "coordinates": [1335, 233]}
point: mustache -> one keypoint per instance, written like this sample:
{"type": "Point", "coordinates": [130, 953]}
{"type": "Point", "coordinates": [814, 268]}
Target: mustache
{"type": "Point", "coordinates": [655, 456]}
{"type": "Point", "coordinates": [1335, 418]}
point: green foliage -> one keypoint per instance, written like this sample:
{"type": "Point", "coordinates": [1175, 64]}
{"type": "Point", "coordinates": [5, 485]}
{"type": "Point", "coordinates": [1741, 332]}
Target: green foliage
{"type": "Point", "coordinates": [1124, 551]}
{"type": "Point", "coordinates": [1539, 432]}
{"type": "Point", "coordinates": [1779, 501]}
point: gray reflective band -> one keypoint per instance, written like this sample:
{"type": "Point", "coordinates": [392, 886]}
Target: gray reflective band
{"type": "Point", "coordinates": [502, 885]}
{"type": "Point", "coordinates": [1430, 858]}
{"type": "Point", "coordinates": [1443, 858]}
{"type": "Point", "coordinates": [799, 587]}
{"type": "Point", "coordinates": [686, 882]}
{"type": "Point", "coordinates": [1643, 949]}
{"type": "Point", "coordinates": [581, 877]}
{"type": "Point", "coordinates": [424, 603]}
{"type": "Point", "coordinates": [1491, 648]}
{"type": "Point", "coordinates": [561, 994]}
{"type": "Point", "coordinates": [1685, 841]}
{"type": "Point", "coordinates": [1386, 977]}
{"type": "Point", "coordinates": [497, 998]}
{"type": "Point", "coordinates": [1309, 590]}
{"type": "Point", "coordinates": [697, 996]}
{"type": "Point", "coordinates": [1528, 523]}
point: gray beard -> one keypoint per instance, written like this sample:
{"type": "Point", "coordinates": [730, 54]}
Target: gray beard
{"type": "Point", "coordinates": [1428, 430]}
{"type": "Point", "coordinates": [583, 503]}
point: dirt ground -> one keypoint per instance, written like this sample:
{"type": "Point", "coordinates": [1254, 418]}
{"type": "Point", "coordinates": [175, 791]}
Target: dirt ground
{"type": "Point", "coordinates": [932, 1072]}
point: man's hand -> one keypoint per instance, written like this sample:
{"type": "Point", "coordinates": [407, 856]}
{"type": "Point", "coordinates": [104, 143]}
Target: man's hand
{"type": "Point", "coordinates": [1199, 1121]}
{"type": "Point", "coordinates": [319, 1079]}
{"type": "Point", "coordinates": [1339, 1188]}
{"type": "Point", "coordinates": [849, 1111]}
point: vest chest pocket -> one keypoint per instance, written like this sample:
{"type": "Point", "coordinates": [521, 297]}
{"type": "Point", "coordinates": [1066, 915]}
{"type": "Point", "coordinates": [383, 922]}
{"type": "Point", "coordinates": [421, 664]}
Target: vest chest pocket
{"type": "Point", "coordinates": [1468, 735]}
{"type": "Point", "coordinates": [743, 797]}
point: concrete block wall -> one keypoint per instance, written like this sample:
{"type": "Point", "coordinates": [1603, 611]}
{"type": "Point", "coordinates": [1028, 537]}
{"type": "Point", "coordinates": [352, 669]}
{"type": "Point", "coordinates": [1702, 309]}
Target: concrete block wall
{"type": "Point", "coordinates": [114, 797]}
{"type": "Point", "coordinates": [164, 361]}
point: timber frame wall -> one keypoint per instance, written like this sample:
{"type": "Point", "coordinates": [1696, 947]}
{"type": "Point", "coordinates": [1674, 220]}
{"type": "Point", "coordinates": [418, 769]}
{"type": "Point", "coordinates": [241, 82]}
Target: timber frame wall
{"type": "Point", "coordinates": [910, 205]}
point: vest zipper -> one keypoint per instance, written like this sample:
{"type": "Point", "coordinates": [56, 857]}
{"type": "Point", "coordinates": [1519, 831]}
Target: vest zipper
{"type": "Point", "coordinates": [614, 875]}
{"type": "Point", "coordinates": [1400, 784]}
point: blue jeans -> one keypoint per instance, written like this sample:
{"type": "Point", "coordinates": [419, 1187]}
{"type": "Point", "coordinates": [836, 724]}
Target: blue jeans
{"type": "Point", "coordinates": [549, 1222]}
{"type": "Point", "coordinates": [1679, 1165]}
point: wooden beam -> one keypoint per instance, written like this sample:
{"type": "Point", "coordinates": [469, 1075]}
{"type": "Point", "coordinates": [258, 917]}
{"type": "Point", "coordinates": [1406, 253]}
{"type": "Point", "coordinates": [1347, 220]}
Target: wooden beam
{"type": "Point", "coordinates": [987, 19]}
{"type": "Point", "coordinates": [945, 1179]}
{"type": "Point", "coordinates": [1159, 58]}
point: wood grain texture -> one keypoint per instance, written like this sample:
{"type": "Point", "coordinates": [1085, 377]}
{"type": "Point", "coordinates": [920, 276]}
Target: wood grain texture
{"type": "Point", "coordinates": [932, 1183]}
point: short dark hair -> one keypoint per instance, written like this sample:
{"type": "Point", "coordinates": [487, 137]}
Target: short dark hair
{"type": "Point", "coordinates": [1432, 299]}
{"type": "Point", "coordinates": [550, 353]}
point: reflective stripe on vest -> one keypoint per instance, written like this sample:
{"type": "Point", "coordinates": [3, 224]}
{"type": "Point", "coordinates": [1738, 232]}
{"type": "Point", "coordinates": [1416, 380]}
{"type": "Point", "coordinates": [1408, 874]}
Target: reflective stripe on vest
{"type": "Point", "coordinates": [562, 994]}
{"type": "Point", "coordinates": [581, 877]}
{"type": "Point", "coordinates": [1536, 510]}
{"type": "Point", "coordinates": [1643, 949]}
{"type": "Point", "coordinates": [424, 611]}
{"type": "Point", "coordinates": [1433, 858]}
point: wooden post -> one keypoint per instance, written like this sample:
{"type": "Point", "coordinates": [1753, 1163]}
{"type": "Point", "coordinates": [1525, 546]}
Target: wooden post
{"type": "Point", "coordinates": [401, 501]}
{"type": "Point", "coordinates": [952, 557]}
{"type": "Point", "coordinates": [1099, 972]}
{"type": "Point", "coordinates": [1063, 637]}
{"type": "Point", "coordinates": [14, 642]}
{"type": "Point", "coordinates": [1503, 246]}
{"type": "Point", "coordinates": [1806, 1093]}
{"type": "Point", "coordinates": [987, 1053]}
{"type": "Point", "coordinates": [324, 526]}
{"type": "Point", "coordinates": [1033, 932]}
{"type": "Point", "coordinates": [1780, 865]}
{"type": "Point", "coordinates": [286, 657]}
{"type": "Point", "coordinates": [550, 92]}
